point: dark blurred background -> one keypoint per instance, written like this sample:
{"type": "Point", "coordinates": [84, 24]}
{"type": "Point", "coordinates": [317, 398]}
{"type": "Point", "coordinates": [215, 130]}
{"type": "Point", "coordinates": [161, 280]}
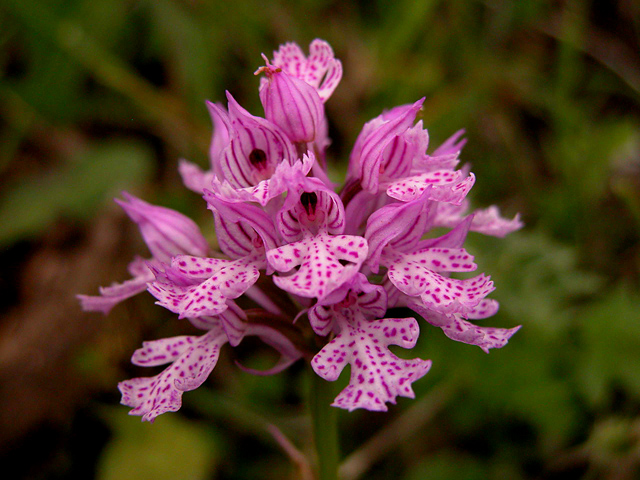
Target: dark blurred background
{"type": "Point", "coordinates": [98, 96]}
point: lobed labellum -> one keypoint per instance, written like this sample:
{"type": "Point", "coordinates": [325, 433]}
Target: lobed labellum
{"type": "Point", "coordinates": [324, 263]}
{"type": "Point", "coordinates": [377, 375]}
{"type": "Point", "coordinates": [214, 281]}
{"type": "Point", "coordinates": [457, 328]}
{"type": "Point", "coordinates": [192, 358]}
{"type": "Point", "coordinates": [486, 221]}
{"type": "Point", "coordinates": [414, 275]}
{"type": "Point", "coordinates": [447, 186]}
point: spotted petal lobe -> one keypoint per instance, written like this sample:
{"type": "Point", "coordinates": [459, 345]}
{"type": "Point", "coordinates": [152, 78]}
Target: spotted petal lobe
{"type": "Point", "coordinates": [457, 328]}
{"type": "Point", "coordinates": [194, 358]}
{"type": "Point", "coordinates": [377, 375]}
{"type": "Point", "coordinates": [448, 186]}
{"type": "Point", "coordinates": [226, 280]}
{"type": "Point", "coordinates": [445, 295]}
{"type": "Point", "coordinates": [318, 259]}
{"type": "Point", "coordinates": [320, 69]}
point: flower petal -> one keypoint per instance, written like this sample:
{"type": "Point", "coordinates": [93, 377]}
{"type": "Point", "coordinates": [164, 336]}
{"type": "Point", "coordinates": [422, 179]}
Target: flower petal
{"type": "Point", "coordinates": [319, 260]}
{"type": "Point", "coordinates": [486, 221]}
{"type": "Point", "coordinates": [447, 186]}
{"type": "Point", "coordinates": [442, 294]}
{"type": "Point", "coordinates": [371, 145]}
{"type": "Point", "coordinates": [377, 375]}
{"type": "Point", "coordinates": [227, 280]}
{"type": "Point", "coordinates": [400, 225]}
{"type": "Point", "coordinates": [194, 358]}
{"type": "Point", "coordinates": [291, 104]}
{"type": "Point", "coordinates": [457, 328]}
{"type": "Point", "coordinates": [166, 232]}
{"type": "Point", "coordinates": [320, 70]}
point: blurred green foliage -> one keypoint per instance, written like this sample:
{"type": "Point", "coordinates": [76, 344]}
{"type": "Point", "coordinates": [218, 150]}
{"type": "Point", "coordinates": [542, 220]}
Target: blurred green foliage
{"type": "Point", "coordinates": [94, 92]}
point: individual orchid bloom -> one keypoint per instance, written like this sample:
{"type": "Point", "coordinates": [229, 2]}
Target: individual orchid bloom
{"type": "Point", "coordinates": [166, 233]}
{"type": "Point", "coordinates": [291, 103]}
{"type": "Point", "coordinates": [377, 375]}
{"type": "Point", "coordinates": [312, 219]}
{"type": "Point", "coordinates": [385, 147]}
{"type": "Point", "coordinates": [320, 69]}
{"type": "Point", "coordinates": [255, 148]}
{"type": "Point", "coordinates": [394, 234]}
{"type": "Point", "coordinates": [193, 286]}
{"type": "Point", "coordinates": [267, 189]}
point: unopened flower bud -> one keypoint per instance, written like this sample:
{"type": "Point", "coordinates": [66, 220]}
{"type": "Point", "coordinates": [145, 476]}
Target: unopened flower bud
{"type": "Point", "coordinates": [291, 104]}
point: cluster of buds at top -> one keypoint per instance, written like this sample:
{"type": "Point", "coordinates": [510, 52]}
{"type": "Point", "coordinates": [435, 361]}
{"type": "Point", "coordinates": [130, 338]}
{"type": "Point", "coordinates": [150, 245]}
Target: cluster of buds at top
{"type": "Point", "coordinates": [341, 260]}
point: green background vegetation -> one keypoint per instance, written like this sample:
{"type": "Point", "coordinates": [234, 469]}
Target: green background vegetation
{"type": "Point", "coordinates": [98, 96]}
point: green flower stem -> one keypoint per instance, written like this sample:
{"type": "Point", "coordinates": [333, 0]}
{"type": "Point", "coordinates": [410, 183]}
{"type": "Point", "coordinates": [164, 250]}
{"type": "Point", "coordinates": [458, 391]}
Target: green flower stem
{"type": "Point", "coordinates": [325, 427]}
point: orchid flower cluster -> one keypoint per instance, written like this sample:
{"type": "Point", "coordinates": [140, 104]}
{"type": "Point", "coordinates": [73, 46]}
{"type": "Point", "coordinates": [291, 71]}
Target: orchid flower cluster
{"type": "Point", "coordinates": [343, 260]}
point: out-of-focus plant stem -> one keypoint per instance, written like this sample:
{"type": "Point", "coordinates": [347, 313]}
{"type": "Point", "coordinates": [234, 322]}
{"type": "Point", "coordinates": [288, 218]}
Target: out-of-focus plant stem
{"type": "Point", "coordinates": [325, 427]}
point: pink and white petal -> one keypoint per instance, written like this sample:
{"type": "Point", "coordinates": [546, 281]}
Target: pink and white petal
{"type": "Point", "coordinates": [486, 221]}
{"type": "Point", "coordinates": [234, 323]}
{"type": "Point", "coordinates": [373, 146]}
{"type": "Point", "coordinates": [446, 295]}
{"type": "Point", "coordinates": [489, 222]}
{"type": "Point", "coordinates": [159, 352]}
{"type": "Point", "coordinates": [447, 186]}
{"type": "Point", "coordinates": [220, 137]}
{"type": "Point", "coordinates": [236, 240]}
{"type": "Point", "coordinates": [439, 259]}
{"type": "Point", "coordinates": [153, 396]}
{"type": "Point", "coordinates": [166, 232]}
{"type": "Point", "coordinates": [209, 297]}
{"type": "Point", "coordinates": [110, 296]}
{"type": "Point", "coordinates": [398, 224]}
{"type": "Point", "coordinates": [318, 258]}
{"type": "Point", "coordinates": [320, 70]}
{"type": "Point", "coordinates": [321, 319]}
{"type": "Point", "coordinates": [377, 375]}
{"type": "Point", "coordinates": [485, 309]}
{"type": "Point", "coordinates": [453, 239]}
{"type": "Point", "coordinates": [243, 214]}
{"type": "Point", "coordinates": [457, 328]}
{"type": "Point", "coordinates": [360, 207]}
{"type": "Point", "coordinates": [193, 177]}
